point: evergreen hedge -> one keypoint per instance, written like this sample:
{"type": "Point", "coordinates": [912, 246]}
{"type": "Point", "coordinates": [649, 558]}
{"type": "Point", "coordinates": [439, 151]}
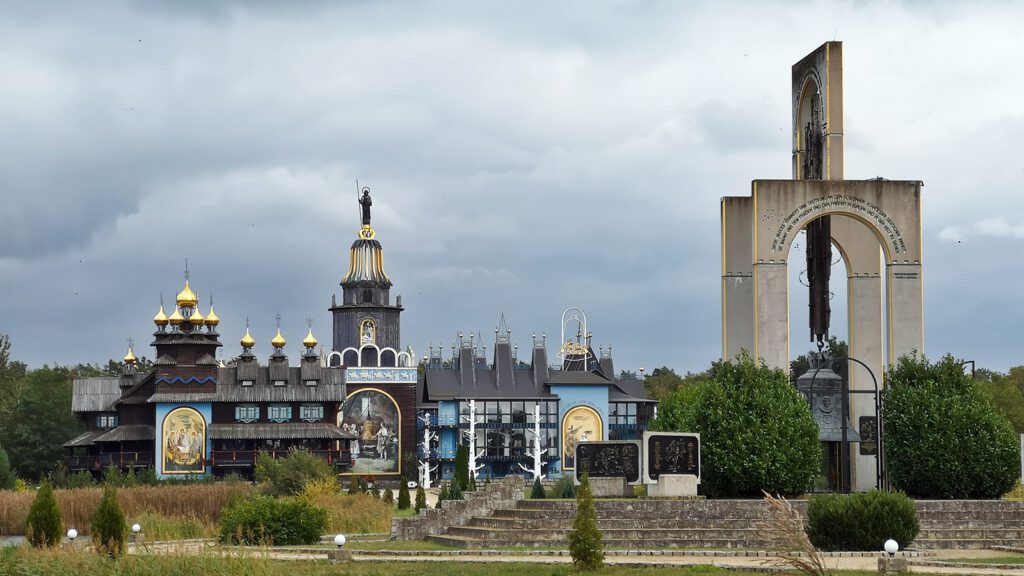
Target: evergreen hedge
{"type": "Point", "coordinates": [262, 520]}
{"type": "Point", "coordinates": [861, 521]}
{"type": "Point", "coordinates": [44, 526]}
{"type": "Point", "coordinates": [757, 431]}
{"type": "Point", "coordinates": [944, 437]}
{"type": "Point", "coordinates": [421, 499]}
{"type": "Point", "coordinates": [109, 529]}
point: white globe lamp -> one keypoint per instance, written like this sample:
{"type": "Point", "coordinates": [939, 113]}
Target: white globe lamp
{"type": "Point", "coordinates": [892, 547]}
{"type": "Point", "coordinates": [136, 528]}
{"type": "Point", "coordinates": [339, 540]}
{"type": "Point", "coordinates": [72, 534]}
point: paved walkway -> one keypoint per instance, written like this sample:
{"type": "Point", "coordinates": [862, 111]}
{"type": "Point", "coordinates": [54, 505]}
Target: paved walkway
{"type": "Point", "coordinates": [920, 565]}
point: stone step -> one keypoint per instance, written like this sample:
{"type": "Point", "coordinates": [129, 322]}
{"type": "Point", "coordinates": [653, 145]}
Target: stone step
{"type": "Point", "coordinates": [653, 544]}
{"type": "Point", "coordinates": [607, 523]}
{"type": "Point", "coordinates": [536, 534]}
{"type": "Point", "coordinates": [1010, 534]}
{"type": "Point", "coordinates": [960, 543]}
{"type": "Point", "coordinates": [970, 524]}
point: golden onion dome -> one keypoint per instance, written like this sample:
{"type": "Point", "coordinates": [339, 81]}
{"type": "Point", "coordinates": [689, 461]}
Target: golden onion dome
{"type": "Point", "coordinates": [161, 318]}
{"type": "Point", "coordinates": [187, 298]}
{"type": "Point", "coordinates": [278, 341]}
{"type": "Point", "coordinates": [309, 341]}
{"type": "Point", "coordinates": [129, 358]}
{"type": "Point", "coordinates": [196, 318]}
{"type": "Point", "coordinates": [247, 341]}
{"type": "Point", "coordinates": [176, 318]}
{"type": "Point", "coordinates": [211, 318]}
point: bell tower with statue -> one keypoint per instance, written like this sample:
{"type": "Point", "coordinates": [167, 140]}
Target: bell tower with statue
{"type": "Point", "coordinates": [380, 377]}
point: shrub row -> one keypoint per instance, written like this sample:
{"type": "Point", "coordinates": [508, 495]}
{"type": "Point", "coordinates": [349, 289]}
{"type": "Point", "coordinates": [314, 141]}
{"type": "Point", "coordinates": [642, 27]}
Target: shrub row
{"type": "Point", "coordinates": [266, 520]}
{"type": "Point", "coordinates": [861, 521]}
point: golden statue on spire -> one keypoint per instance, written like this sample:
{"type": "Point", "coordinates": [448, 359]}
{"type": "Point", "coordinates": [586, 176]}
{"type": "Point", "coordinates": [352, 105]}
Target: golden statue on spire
{"type": "Point", "coordinates": [366, 232]}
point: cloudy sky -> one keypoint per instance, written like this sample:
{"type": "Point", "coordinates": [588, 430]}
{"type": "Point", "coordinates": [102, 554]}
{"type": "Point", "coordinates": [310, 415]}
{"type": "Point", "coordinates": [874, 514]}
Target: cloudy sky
{"type": "Point", "coordinates": [524, 157]}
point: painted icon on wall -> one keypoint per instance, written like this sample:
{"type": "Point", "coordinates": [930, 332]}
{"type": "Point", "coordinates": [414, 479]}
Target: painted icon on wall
{"type": "Point", "coordinates": [373, 416]}
{"type": "Point", "coordinates": [367, 332]}
{"type": "Point", "coordinates": [184, 442]}
{"type": "Point", "coordinates": [581, 424]}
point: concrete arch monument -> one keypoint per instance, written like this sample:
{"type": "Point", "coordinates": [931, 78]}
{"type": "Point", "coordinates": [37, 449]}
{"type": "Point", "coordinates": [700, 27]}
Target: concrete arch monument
{"type": "Point", "coordinates": [875, 224]}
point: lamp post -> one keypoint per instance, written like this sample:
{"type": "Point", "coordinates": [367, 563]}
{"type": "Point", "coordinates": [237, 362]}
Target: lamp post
{"type": "Point", "coordinates": [971, 362]}
{"type": "Point", "coordinates": [339, 554]}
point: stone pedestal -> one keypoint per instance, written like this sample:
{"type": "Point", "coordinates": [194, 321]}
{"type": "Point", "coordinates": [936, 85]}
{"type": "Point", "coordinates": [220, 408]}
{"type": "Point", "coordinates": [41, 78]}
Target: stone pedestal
{"type": "Point", "coordinates": [893, 566]}
{"type": "Point", "coordinates": [137, 539]}
{"type": "Point", "coordinates": [610, 488]}
{"type": "Point", "coordinates": [339, 555]}
{"type": "Point", "coordinates": [670, 485]}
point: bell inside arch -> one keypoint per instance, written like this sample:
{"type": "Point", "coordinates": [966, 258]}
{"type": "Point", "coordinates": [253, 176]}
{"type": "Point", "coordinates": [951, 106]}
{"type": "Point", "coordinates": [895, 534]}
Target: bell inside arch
{"type": "Point", "coordinates": [823, 390]}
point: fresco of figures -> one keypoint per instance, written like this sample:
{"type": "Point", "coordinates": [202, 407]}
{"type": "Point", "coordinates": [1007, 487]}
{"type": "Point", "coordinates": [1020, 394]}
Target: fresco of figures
{"type": "Point", "coordinates": [184, 442]}
{"type": "Point", "coordinates": [581, 424]}
{"type": "Point", "coordinates": [373, 417]}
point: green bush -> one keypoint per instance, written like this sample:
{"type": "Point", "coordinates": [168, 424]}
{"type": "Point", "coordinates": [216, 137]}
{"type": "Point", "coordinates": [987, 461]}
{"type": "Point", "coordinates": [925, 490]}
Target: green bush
{"type": "Point", "coordinates": [288, 476]}
{"type": "Point", "coordinates": [403, 494]}
{"type": "Point", "coordinates": [421, 499]}
{"type": "Point", "coordinates": [388, 497]}
{"type": "Point", "coordinates": [109, 529]}
{"type": "Point", "coordinates": [537, 493]}
{"type": "Point", "coordinates": [7, 476]}
{"type": "Point", "coordinates": [353, 486]}
{"type": "Point", "coordinates": [757, 431]}
{"type": "Point", "coordinates": [81, 479]}
{"type": "Point", "coordinates": [565, 487]}
{"type": "Point", "coordinates": [585, 539]}
{"type": "Point", "coordinates": [455, 491]}
{"type": "Point", "coordinates": [113, 476]}
{"type": "Point", "coordinates": [861, 521]}
{"type": "Point", "coordinates": [265, 520]}
{"type": "Point", "coordinates": [943, 437]}
{"type": "Point", "coordinates": [442, 495]}
{"type": "Point", "coordinates": [43, 527]}
{"type": "Point", "coordinates": [461, 468]}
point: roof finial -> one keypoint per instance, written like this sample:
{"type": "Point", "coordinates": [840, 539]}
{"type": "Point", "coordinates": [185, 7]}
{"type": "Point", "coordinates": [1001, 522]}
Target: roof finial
{"type": "Point", "coordinates": [278, 319]}
{"type": "Point", "coordinates": [186, 269]}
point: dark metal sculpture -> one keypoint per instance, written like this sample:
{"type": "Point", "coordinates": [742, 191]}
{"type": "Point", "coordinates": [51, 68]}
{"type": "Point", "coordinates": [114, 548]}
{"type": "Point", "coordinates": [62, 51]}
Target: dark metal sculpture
{"type": "Point", "coordinates": [366, 202]}
{"type": "Point", "coordinates": [819, 234]}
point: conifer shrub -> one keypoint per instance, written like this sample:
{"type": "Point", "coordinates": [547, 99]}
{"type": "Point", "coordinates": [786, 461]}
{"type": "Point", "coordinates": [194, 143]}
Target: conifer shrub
{"type": "Point", "coordinates": [943, 437]}
{"type": "Point", "coordinates": [43, 527]}
{"type": "Point", "coordinates": [109, 529]}
{"type": "Point", "coordinates": [472, 483]}
{"type": "Point", "coordinates": [585, 544]}
{"type": "Point", "coordinates": [263, 520]}
{"type": "Point", "coordinates": [80, 479]}
{"type": "Point", "coordinates": [454, 491]}
{"type": "Point", "coordinates": [375, 492]}
{"type": "Point", "coordinates": [421, 499]}
{"type": "Point", "coordinates": [861, 521]}
{"type": "Point", "coordinates": [353, 486]}
{"type": "Point", "coordinates": [461, 468]}
{"type": "Point", "coordinates": [388, 497]}
{"type": "Point", "coordinates": [537, 493]}
{"type": "Point", "coordinates": [442, 495]}
{"type": "Point", "coordinates": [403, 495]}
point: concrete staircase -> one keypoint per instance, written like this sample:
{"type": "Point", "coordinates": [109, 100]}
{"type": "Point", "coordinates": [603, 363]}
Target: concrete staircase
{"type": "Point", "coordinates": [717, 524]}
{"type": "Point", "coordinates": [637, 524]}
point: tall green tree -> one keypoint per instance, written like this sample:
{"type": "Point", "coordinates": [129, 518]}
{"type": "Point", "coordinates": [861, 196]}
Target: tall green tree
{"type": "Point", "coordinates": [1007, 391]}
{"type": "Point", "coordinates": [42, 421]}
{"type": "Point", "coordinates": [943, 436]}
{"type": "Point", "coordinates": [7, 476]}
{"type": "Point", "coordinates": [757, 432]}
{"type": "Point", "coordinates": [462, 467]}
{"type": "Point", "coordinates": [109, 528]}
{"type": "Point", "coordinates": [12, 379]}
{"type": "Point", "coordinates": [662, 382]}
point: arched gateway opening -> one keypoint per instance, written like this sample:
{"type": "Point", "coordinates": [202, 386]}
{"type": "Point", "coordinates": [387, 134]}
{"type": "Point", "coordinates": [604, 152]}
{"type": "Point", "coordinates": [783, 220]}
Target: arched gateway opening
{"type": "Point", "coordinates": [872, 222]}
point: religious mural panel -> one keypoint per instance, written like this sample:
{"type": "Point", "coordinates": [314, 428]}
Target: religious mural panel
{"type": "Point", "coordinates": [373, 416]}
{"type": "Point", "coordinates": [672, 453]}
{"type": "Point", "coordinates": [617, 459]}
{"type": "Point", "coordinates": [184, 442]}
{"type": "Point", "coordinates": [581, 424]}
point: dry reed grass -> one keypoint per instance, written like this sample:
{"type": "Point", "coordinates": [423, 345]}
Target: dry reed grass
{"type": "Point", "coordinates": [354, 514]}
{"type": "Point", "coordinates": [200, 503]}
{"type": "Point", "coordinates": [789, 539]}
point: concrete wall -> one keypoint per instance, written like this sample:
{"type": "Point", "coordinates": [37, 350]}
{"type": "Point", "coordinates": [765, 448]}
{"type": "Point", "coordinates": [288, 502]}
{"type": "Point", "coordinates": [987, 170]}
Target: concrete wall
{"type": "Point", "coordinates": [431, 521]}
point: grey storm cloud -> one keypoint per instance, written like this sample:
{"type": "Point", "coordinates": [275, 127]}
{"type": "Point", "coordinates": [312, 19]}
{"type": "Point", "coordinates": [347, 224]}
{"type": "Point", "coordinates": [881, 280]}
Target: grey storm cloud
{"type": "Point", "coordinates": [524, 158]}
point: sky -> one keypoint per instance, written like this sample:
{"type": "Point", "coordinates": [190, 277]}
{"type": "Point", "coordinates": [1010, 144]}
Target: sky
{"type": "Point", "coordinates": [524, 158]}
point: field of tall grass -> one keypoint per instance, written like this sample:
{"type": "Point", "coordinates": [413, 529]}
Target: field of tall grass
{"type": "Point", "coordinates": [186, 511]}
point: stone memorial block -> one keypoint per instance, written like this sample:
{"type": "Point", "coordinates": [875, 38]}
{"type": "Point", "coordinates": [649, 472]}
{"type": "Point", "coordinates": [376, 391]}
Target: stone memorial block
{"type": "Point", "coordinates": [671, 453]}
{"type": "Point", "coordinates": [610, 459]}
